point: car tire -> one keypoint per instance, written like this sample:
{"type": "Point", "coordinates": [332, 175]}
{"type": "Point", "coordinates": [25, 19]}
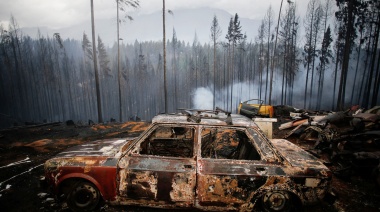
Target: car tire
{"type": "Point", "coordinates": [84, 196]}
{"type": "Point", "coordinates": [276, 201]}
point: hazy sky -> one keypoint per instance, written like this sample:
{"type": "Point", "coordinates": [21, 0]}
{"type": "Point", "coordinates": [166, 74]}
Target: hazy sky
{"type": "Point", "coordinates": [62, 13]}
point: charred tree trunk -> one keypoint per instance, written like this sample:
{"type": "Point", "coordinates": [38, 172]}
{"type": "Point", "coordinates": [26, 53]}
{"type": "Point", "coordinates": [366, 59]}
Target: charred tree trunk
{"type": "Point", "coordinates": [97, 81]}
{"type": "Point", "coordinates": [164, 49]}
{"type": "Point", "coordinates": [346, 57]}
{"type": "Point", "coordinates": [377, 80]}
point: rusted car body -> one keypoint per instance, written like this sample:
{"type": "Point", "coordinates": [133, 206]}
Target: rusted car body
{"type": "Point", "coordinates": [208, 164]}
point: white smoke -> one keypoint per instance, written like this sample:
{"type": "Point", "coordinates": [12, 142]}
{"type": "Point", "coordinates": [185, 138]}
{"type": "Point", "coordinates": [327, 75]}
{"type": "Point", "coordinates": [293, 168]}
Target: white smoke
{"type": "Point", "coordinates": [203, 98]}
{"type": "Point", "coordinates": [242, 91]}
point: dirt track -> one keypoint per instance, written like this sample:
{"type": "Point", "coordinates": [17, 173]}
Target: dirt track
{"type": "Point", "coordinates": [24, 150]}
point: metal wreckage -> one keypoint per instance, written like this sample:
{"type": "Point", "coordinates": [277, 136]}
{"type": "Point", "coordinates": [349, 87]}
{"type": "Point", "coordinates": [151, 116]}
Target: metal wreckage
{"type": "Point", "coordinates": [349, 139]}
{"type": "Point", "coordinates": [209, 160]}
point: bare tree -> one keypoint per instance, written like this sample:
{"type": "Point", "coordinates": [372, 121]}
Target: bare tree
{"type": "Point", "coordinates": [260, 40]}
{"type": "Point", "coordinates": [87, 58]}
{"type": "Point", "coordinates": [312, 24]}
{"type": "Point", "coordinates": [288, 50]}
{"type": "Point", "coordinates": [234, 36]}
{"type": "Point", "coordinates": [361, 24]}
{"type": "Point", "coordinates": [94, 57]}
{"type": "Point", "coordinates": [274, 54]}
{"type": "Point", "coordinates": [325, 57]}
{"type": "Point", "coordinates": [229, 37]}
{"type": "Point", "coordinates": [268, 20]}
{"type": "Point", "coordinates": [5, 42]}
{"type": "Point", "coordinates": [164, 49]}
{"type": "Point", "coordinates": [15, 40]}
{"type": "Point", "coordinates": [375, 73]}
{"type": "Point", "coordinates": [121, 5]}
{"type": "Point", "coordinates": [215, 34]}
{"type": "Point", "coordinates": [348, 10]}
{"type": "Point", "coordinates": [316, 36]}
{"type": "Point", "coordinates": [174, 67]}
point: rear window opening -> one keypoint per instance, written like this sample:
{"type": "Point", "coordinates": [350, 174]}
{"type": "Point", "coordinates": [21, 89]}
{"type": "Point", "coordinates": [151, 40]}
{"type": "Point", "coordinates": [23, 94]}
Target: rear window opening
{"type": "Point", "coordinates": [169, 142]}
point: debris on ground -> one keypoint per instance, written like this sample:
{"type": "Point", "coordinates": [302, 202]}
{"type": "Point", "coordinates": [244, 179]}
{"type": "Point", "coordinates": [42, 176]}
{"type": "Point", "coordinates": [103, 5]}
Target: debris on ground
{"type": "Point", "coordinates": [350, 139]}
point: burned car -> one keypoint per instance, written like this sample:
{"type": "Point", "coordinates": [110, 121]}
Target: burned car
{"type": "Point", "coordinates": [206, 160]}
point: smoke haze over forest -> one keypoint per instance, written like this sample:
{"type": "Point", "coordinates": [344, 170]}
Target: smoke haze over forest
{"type": "Point", "coordinates": [48, 75]}
{"type": "Point", "coordinates": [130, 31]}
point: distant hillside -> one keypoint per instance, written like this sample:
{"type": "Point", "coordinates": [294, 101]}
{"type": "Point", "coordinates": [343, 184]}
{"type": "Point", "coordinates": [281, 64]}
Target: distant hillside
{"type": "Point", "coordinates": [186, 23]}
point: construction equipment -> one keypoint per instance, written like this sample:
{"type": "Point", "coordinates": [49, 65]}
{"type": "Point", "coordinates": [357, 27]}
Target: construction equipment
{"type": "Point", "coordinates": [250, 109]}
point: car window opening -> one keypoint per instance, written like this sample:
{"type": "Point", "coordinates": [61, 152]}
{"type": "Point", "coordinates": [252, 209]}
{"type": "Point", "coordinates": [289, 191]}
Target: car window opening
{"type": "Point", "coordinates": [169, 142]}
{"type": "Point", "coordinates": [226, 143]}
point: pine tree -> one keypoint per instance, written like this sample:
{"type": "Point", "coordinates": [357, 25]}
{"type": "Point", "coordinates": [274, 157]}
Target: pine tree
{"type": "Point", "coordinates": [234, 36]}
{"type": "Point", "coordinates": [103, 58]}
{"type": "Point", "coordinates": [312, 24]}
{"type": "Point", "coordinates": [86, 46]}
{"type": "Point", "coordinates": [261, 57]}
{"type": "Point", "coordinates": [348, 10]}
{"type": "Point", "coordinates": [325, 57]}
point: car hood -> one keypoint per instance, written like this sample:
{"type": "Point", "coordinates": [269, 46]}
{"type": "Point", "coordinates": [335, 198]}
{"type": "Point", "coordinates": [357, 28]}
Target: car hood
{"type": "Point", "coordinates": [108, 148]}
{"type": "Point", "coordinates": [296, 156]}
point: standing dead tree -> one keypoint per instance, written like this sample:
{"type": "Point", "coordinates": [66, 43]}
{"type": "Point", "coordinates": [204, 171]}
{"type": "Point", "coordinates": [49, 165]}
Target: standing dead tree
{"type": "Point", "coordinates": [122, 5]}
{"type": "Point", "coordinates": [94, 57]}
{"type": "Point", "coordinates": [268, 21]}
{"type": "Point", "coordinates": [215, 34]}
{"type": "Point", "coordinates": [312, 23]}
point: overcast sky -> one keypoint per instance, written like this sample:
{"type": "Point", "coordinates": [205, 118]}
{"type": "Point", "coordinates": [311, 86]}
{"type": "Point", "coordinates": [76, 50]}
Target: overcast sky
{"type": "Point", "coordinates": [63, 13]}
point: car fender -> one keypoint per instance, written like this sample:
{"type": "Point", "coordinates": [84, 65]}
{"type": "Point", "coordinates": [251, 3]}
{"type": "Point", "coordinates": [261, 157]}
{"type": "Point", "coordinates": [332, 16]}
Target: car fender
{"type": "Point", "coordinates": [81, 176]}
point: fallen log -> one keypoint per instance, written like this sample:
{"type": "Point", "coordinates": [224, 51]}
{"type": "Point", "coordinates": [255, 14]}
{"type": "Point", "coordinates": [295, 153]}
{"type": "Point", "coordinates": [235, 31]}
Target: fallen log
{"type": "Point", "coordinates": [292, 124]}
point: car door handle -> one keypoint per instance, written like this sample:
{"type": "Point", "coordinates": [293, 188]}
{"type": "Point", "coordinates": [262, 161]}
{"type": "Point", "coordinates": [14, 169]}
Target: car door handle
{"type": "Point", "coordinates": [188, 166]}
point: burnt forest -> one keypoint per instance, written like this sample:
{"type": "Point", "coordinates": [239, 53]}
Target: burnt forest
{"type": "Point", "coordinates": [334, 64]}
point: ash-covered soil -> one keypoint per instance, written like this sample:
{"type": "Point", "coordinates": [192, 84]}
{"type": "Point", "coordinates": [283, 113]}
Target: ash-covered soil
{"type": "Point", "coordinates": [24, 150]}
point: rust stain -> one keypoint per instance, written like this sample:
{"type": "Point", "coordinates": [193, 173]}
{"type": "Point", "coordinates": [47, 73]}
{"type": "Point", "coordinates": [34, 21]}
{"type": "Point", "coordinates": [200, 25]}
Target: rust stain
{"type": "Point", "coordinates": [221, 189]}
{"type": "Point", "coordinates": [182, 187]}
{"type": "Point", "coordinates": [276, 180]}
{"type": "Point", "coordinates": [142, 185]}
{"type": "Point", "coordinates": [87, 169]}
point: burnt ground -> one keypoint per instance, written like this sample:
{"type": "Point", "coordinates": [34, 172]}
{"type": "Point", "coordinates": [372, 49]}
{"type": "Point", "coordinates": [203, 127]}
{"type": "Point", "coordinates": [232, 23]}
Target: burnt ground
{"type": "Point", "coordinates": [24, 150]}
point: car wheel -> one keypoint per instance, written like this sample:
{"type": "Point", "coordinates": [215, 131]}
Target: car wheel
{"type": "Point", "coordinates": [84, 196]}
{"type": "Point", "coordinates": [276, 201]}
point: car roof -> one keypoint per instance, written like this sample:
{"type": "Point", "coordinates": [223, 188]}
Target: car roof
{"type": "Point", "coordinates": [206, 119]}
